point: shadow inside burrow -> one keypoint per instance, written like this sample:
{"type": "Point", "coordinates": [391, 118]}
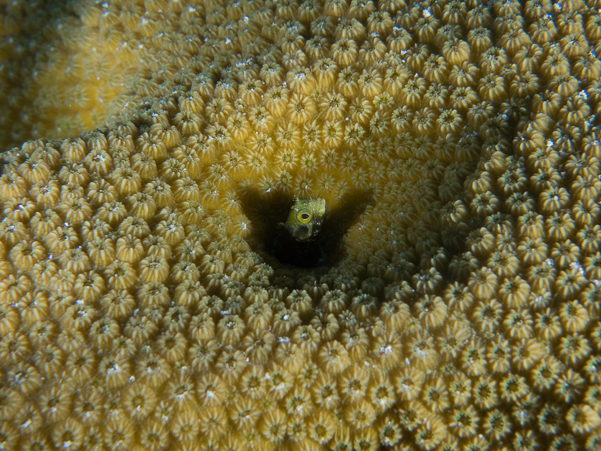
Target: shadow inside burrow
{"type": "Point", "coordinates": [268, 237]}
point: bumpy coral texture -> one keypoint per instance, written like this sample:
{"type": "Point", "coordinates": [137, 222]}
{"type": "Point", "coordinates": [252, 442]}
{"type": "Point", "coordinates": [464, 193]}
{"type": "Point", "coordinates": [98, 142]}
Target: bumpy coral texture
{"type": "Point", "coordinates": [139, 308]}
{"type": "Point", "coordinates": [63, 66]}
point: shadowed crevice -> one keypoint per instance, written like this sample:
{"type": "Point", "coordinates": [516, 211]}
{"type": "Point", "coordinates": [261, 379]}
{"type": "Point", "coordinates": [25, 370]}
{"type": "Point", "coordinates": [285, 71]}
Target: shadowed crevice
{"type": "Point", "coordinates": [270, 238]}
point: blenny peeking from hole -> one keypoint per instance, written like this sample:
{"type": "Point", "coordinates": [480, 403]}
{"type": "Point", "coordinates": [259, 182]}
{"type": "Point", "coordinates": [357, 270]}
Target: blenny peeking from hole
{"type": "Point", "coordinates": [297, 241]}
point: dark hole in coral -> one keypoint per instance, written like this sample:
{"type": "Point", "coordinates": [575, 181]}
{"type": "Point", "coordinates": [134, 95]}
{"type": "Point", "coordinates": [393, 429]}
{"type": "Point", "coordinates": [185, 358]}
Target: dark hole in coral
{"type": "Point", "coordinates": [268, 212]}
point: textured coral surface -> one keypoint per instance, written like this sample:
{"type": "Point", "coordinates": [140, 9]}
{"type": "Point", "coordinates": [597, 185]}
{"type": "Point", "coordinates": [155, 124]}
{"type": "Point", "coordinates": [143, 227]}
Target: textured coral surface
{"type": "Point", "coordinates": [63, 66]}
{"type": "Point", "coordinates": [455, 299]}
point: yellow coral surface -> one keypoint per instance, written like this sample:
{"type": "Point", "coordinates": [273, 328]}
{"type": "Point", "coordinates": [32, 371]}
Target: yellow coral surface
{"type": "Point", "coordinates": [63, 66]}
{"type": "Point", "coordinates": [455, 304]}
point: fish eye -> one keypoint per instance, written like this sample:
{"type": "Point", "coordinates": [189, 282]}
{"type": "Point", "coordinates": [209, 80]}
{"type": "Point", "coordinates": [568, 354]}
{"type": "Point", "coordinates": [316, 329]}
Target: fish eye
{"type": "Point", "coordinates": [303, 216]}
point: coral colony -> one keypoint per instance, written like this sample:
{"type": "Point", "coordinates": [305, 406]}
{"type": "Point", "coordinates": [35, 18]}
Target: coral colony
{"type": "Point", "coordinates": [454, 302]}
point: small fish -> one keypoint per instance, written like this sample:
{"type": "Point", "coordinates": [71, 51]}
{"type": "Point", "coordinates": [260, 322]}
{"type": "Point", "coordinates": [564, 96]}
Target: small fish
{"type": "Point", "coordinates": [305, 218]}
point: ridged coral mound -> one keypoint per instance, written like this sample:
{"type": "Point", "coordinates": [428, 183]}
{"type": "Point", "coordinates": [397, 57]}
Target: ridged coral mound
{"type": "Point", "coordinates": [457, 144]}
{"type": "Point", "coordinates": [63, 66]}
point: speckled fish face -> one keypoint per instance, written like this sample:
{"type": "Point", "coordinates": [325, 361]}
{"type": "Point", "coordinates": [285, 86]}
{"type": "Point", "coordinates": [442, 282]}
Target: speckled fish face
{"type": "Point", "coordinates": [304, 220]}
